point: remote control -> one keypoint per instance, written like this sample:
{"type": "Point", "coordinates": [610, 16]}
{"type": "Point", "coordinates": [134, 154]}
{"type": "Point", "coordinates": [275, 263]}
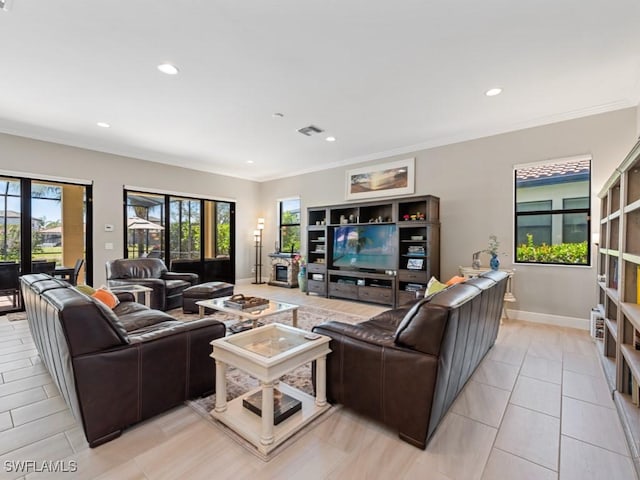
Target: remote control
{"type": "Point", "coordinates": [312, 336]}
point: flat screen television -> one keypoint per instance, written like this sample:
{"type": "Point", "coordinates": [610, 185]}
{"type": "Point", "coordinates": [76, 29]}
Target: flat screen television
{"type": "Point", "coordinates": [365, 247]}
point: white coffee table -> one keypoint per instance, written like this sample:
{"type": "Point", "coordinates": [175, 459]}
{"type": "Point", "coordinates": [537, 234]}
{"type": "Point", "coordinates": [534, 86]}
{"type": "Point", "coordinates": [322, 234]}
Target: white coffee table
{"type": "Point", "coordinates": [135, 290]}
{"type": "Point", "coordinates": [267, 353]}
{"type": "Point", "coordinates": [255, 315]}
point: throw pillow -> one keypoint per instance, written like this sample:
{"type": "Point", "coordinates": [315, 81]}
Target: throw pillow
{"type": "Point", "coordinates": [86, 289]}
{"type": "Point", "coordinates": [434, 286]}
{"type": "Point", "coordinates": [107, 297]}
{"type": "Point", "coordinates": [454, 280]}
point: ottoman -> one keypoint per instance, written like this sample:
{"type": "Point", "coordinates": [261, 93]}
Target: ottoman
{"type": "Point", "coordinates": [204, 291]}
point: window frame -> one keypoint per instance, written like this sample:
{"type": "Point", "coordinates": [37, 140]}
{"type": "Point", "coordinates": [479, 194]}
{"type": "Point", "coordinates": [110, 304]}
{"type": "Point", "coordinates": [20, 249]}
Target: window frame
{"type": "Point", "coordinates": [552, 212]}
{"type": "Point", "coordinates": [283, 226]}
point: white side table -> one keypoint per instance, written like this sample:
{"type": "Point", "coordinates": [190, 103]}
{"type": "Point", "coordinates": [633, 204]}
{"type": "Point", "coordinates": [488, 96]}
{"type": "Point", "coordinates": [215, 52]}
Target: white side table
{"type": "Point", "coordinates": [267, 353]}
{"type": "Point", "coordinates": [469, 272]}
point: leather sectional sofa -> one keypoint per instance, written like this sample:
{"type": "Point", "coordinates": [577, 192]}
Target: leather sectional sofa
{"type": "Point", "coordinates": [117, 367]}
{"type": "Point", "coordinates": [406, 366]}
{"type": "Point", "coordinates": [153, 273]}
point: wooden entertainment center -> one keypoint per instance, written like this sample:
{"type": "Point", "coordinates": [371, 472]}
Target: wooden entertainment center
{"type": "Point", "coordinates": [414, 238]}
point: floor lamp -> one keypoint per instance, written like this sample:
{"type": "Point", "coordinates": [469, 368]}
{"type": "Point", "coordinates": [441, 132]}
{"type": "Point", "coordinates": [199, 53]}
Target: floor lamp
{"type": "Point", "coordinates": [257, 237]}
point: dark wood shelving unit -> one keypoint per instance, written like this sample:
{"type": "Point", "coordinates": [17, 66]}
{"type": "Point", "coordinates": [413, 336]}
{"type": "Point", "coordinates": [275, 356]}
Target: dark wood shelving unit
{"type": "Point", "coordinates": [417, 221]}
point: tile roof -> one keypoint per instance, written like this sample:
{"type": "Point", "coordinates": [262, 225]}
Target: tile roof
{"type": "Point", "coordinates": [553, 170]}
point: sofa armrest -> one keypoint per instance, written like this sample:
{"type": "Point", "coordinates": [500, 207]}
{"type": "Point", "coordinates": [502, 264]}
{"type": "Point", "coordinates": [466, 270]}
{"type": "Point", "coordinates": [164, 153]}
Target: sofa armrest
{"type": "Point", "coordinates": [125, 296]}
{"type": "Point", "coordinates": [192, 278]}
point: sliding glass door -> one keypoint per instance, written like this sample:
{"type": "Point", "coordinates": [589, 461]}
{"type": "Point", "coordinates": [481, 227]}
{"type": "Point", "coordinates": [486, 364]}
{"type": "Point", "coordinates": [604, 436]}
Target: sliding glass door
{"type": "Point", "coordinates": [198, 232]}
{"type": "Point", "coordinates": [43, 229]}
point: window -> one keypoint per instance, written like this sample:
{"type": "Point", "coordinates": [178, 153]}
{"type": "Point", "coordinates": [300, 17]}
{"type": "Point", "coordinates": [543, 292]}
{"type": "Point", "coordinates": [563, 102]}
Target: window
{"type": "Point", "coordinates": [290, 225]}
{"type": "Point", "coordinates": [190, 234]}
{"type": "Point", "coordinates": [552, 205]}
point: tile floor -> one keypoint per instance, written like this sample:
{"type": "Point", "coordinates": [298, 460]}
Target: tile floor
{"type": "Point", "coordinates": [536, 408]}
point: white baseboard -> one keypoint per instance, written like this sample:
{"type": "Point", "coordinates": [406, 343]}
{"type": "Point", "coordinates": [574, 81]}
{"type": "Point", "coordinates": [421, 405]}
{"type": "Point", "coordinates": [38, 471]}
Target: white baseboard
{"type": "Point", "coordinates": [548, 319]}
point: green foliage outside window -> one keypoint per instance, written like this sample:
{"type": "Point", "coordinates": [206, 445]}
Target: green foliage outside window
{"type": "Point", "coordinates": [571, 253]}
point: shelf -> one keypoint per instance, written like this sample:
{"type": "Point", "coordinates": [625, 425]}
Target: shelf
{"type": "Point", "coordinates": [632, 207]}
{"type": "Point", "coordinates": [612, 325]}
{"type": "Point", "coordinates": [632, 356]}
{"type": "Point", "coordinates": [630, 257]}
{"type": "Point", "coordinates": [632, 311]}
{"type": "Point", "coordinates": [630, 417]}
{"type": "Point", "coordinates": [614, 215]}
{"type": "Point", "coordinates": [608, 365]}
{"type": "Point", "coordinates": [613, 294]}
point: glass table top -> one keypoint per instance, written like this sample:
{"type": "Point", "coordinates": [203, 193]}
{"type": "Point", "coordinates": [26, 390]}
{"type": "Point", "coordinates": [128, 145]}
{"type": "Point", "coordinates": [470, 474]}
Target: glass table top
{"type": "Point", "coordinates": [269, 341]}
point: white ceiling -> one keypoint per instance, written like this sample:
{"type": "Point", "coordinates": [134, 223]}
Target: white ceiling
{"type": "Point", "coordinates": [382, 76]}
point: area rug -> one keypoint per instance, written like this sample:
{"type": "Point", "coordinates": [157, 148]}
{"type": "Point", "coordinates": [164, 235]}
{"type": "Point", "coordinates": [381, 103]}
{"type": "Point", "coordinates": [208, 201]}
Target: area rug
{"type": "Point", "coordinates": [239, 382]}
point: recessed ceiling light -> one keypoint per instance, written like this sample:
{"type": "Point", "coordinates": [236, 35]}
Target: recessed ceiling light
{"type": "Point", "coordinates": [330, 139]}
{"type": "Point", "coordinates": [492, 92]}
{"type": "Point", "coordinates": [250, 161]}
{"type": "Point", "coordinates": [168, 69]}
{"type": "Point", "coordinates": [103, 124]}
{"type": "Point", "coordinates": [277, 115]}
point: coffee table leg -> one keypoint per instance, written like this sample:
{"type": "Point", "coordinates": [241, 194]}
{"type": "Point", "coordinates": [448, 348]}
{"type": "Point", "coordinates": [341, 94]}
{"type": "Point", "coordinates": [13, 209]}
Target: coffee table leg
{"type": "Point", "coordinates": [147, 299]}
{"type": "Point", "coordinates": [266, 435]}
{"type": "Point", "coordinates": [200, 311]}
{"type": "Point", "coordinates": [221, 386]}
{"type": "Point", "coordinates": [321, 381]}
{"type": "Point", "coordinates": [294, 322]}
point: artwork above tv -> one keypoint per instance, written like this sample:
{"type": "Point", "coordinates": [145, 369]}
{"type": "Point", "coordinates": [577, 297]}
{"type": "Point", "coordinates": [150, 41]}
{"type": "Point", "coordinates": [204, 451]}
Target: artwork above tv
{"type": "Point", "coordinates": [365, 247]}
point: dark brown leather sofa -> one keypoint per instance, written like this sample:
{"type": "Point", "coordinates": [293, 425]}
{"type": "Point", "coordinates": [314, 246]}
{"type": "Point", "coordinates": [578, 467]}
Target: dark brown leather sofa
{"type": "Point", "coordinates": [117, 367]}
{"type": "Point", "coordinates": [151, 272]}
{"type": "Point", "coordinates": [406, 366]}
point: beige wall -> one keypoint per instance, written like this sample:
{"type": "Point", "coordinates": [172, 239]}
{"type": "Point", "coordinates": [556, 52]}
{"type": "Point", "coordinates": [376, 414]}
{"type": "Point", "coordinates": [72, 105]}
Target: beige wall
{"type": "Point", "coordinates": [474, 180]}
{"type": "Point", "coordinates": [110, 173]}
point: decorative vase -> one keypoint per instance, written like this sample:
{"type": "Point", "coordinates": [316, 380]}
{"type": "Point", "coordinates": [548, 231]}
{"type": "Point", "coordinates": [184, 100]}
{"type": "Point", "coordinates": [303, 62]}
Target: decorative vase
{"type": "Point", "coordinates": [302, 280]}
{"type": "Point", "coordinates": [494, 263]}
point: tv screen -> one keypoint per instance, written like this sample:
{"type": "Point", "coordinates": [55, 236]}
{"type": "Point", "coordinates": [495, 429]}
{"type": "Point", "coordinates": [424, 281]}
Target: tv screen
{"type": "Point", "coordinates": [367, 247]}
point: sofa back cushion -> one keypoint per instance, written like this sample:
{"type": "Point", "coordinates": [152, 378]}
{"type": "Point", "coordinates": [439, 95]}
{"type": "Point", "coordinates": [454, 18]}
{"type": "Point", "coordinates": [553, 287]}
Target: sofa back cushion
{"type": "Point", "coordinates": [88, 324]}
{"type": "Point", "coordinates": [424, 325]}
{"type": "Point", "coordinates": [135, 268]}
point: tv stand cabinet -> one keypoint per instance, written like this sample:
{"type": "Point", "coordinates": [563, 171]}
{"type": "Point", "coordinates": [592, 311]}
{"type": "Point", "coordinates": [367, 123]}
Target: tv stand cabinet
{"type": "Point", "coordinates": [417, 220]}
{"type": "Point", "coordinates": [363, 286]}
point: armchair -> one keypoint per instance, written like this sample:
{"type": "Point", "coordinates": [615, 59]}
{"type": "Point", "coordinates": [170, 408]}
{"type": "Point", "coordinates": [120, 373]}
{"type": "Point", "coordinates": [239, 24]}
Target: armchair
{"type": "Point", "coordinates": [153, 273]}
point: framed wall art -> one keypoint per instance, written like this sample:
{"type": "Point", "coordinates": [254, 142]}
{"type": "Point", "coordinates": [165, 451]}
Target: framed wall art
{"type": "Point", "coordinates": [383, 180]}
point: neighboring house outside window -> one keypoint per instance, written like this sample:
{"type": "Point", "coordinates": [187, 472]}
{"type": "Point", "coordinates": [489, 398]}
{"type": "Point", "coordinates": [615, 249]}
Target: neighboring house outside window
{"type": "Point", "coordinates": [289, 215]}
{"type": "Point", "coordinates": [552, 212]}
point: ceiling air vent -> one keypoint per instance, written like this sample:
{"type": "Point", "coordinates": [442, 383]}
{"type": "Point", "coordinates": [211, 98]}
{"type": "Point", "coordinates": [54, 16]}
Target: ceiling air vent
{"type": "Point", "coordinates": [310, 130]}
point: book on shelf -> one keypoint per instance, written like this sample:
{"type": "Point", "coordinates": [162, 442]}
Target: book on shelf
{"type": "Point", "coordinates": [283, 405]}
{"type": "Point", "coordinates": [614, 273]}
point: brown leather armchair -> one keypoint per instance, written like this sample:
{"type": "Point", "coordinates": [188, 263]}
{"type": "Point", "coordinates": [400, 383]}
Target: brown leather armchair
{"type": "Point", "coordinates": [406, 366]}
{"type": "Point", "coordinates": [151, 272]}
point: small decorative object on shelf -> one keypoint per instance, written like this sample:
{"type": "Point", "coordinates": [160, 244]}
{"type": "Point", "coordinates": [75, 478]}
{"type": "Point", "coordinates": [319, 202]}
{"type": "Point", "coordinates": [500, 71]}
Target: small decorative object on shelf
{"type": "Point", "coordinates": [413, 217]}
{"type": "Point", "coordinates": [494, 263]}
{"type": "Point", "coordinates": [475, 263]}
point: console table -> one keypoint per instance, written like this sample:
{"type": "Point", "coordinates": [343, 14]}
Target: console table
{"type": "Point", "coordinates": [470, 272]}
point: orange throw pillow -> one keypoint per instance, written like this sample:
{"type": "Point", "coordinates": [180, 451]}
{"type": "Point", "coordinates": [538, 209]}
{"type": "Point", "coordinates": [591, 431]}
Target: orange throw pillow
{"type": "Point", "coordinates": [456, 279]}
{"type": "Point", "coordinates": [107, 297]}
